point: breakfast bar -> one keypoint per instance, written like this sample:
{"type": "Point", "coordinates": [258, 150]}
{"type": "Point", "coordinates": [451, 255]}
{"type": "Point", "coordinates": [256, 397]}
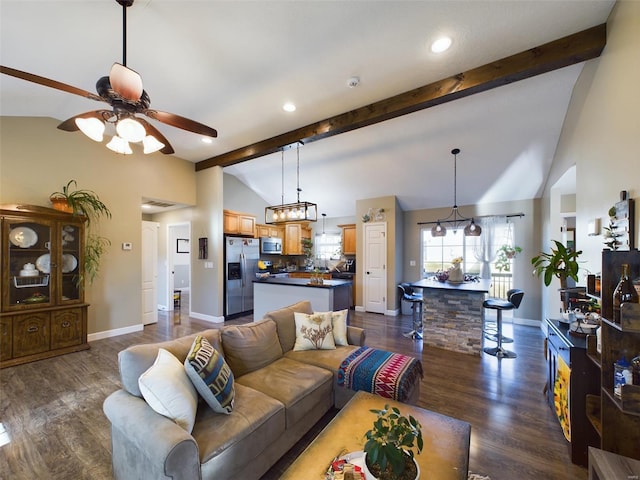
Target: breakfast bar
{"type": "Point", "coordinates": [453, 315]}
{"type": "Point", "coordinates": [273, 293]}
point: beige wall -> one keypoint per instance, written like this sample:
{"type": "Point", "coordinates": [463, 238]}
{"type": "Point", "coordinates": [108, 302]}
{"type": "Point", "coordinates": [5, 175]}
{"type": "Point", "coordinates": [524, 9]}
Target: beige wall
{"type": "Point", "coordinates": [600, 136]}
{"type": "Point", "coordinates": [32, 169]}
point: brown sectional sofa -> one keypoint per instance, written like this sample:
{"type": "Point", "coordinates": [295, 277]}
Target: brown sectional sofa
{"type": "Point", "coordinates": [279, 395]}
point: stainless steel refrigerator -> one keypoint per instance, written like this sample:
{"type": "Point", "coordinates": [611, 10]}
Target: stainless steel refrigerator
{"type": "Point", "coordinates": [241, 266]}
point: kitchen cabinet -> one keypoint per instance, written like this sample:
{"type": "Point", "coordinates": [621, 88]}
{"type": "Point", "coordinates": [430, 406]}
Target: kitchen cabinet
{"type": "Point", "coordinates": [42, 309]}
{"type": "Point", "coordinates": [616, 418]}
{"type": "Point", "coordinates": [348, 239]}
{"type": "Point", "coordinates": [237, 223]}
{"type": "Point", "coordinates": [293, 235]}
{"type": "Point", "coordinates": [583, 381]}
{"type": "Point", "coordinates": [269, 231]}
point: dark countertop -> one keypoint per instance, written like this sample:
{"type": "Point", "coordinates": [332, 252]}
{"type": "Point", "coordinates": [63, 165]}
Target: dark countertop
{"type": "Point", "coordinates": [562, 328]}
{"type": "Point", "coordinates": [480, 286]}
{"type": "Point", "coordinates": [303, 282]}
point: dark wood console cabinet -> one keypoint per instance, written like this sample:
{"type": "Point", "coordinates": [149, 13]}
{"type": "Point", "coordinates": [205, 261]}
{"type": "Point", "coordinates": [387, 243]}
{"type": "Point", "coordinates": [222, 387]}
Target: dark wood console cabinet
{"type": "Point", "coordinates": [584, 380]}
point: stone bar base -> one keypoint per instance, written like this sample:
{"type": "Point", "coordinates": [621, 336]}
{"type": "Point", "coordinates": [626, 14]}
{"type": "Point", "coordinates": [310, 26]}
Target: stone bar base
{"type": "Point", "coordinates": [453, 320]}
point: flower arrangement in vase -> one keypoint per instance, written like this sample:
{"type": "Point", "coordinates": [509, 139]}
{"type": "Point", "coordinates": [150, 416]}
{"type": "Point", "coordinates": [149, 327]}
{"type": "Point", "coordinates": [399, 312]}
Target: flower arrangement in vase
{"type": "Point", "coordinates": [455, 272]}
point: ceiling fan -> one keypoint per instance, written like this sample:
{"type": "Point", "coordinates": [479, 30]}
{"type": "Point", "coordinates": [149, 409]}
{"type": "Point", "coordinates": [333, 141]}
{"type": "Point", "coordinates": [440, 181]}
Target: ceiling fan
{"type": "Point", "coordinates": [123, 91]}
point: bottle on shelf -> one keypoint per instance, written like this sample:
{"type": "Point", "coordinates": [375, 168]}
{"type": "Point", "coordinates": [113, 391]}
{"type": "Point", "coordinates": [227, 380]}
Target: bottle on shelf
{"type": "Point", "coordinates": [624, 292]}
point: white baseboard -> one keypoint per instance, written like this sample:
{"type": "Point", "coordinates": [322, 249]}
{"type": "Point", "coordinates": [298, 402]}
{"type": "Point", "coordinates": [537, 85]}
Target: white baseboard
{"type": "Point", "coordinates": [359, 308]}
{"type": "Point", "coordinates": [207, 318]}
{"type": "Point", "coordinates": [115, 332]}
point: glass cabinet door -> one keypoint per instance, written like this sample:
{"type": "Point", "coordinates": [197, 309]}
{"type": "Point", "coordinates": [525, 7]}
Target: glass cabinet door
{"type": "Point", "coordinates": [29, 248]}
{"type": "Point", "coordinates": [71, 239]}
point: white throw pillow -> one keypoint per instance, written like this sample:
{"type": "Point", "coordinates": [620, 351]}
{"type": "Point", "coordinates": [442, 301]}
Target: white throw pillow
{"type": "Point", "coordinates": [339, 323]}
{"type": "Point", "coordinates": [167, 389]}
{"type": "Point", "coordinates": [314, 331]}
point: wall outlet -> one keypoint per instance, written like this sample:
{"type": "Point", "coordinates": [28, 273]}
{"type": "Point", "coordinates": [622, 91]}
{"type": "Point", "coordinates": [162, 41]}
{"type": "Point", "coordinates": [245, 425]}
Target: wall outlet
{"type": "Point", "coordinates": [208, 264]}
{"type": "Point", "coordinates": [412, 263]}
{"type": "Point", "coordinates": [126, 246]}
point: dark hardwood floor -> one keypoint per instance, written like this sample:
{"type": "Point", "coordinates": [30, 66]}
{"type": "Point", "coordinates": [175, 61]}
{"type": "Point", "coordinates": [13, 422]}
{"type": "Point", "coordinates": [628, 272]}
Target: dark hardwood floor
{"type": "Point", "coordinates": [51, 410]}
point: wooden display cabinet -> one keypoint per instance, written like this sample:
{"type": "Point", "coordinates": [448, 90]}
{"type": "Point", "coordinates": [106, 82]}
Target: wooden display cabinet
{"type": "Point", "coordinates": [617, 419]}
{"type": "Point", "coordinates": [42, 309]}
{"type": "Point", "coordinates": [293, 235]}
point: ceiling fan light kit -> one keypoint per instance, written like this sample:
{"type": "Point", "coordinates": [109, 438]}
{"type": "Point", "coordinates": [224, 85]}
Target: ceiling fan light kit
{"type": "Point", "coordinates": [124, 92]}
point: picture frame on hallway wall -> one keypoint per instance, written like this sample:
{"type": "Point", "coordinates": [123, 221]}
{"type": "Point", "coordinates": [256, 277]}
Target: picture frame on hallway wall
{"type": "Point", "coordinates": [182, 245]}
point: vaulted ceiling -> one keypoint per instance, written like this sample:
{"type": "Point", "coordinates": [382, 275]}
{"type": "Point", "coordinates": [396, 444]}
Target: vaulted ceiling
{"type": "Point", "coordinates": [232, 65]}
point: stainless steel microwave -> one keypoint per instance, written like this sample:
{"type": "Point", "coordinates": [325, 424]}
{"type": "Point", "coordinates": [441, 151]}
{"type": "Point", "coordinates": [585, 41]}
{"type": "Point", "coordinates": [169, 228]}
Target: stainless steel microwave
{"type": "Point", "coordinates": [270, 246]}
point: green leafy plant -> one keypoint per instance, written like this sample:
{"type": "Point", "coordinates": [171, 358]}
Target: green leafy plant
{"type": "Point", "coordinates": [505, 254]}
{"type": "Point", "coordinates": [561, 262]}
{"type": "Point", "coordinates": [88, 204]}
{"type": "Point", "coordinates": [390, 443]}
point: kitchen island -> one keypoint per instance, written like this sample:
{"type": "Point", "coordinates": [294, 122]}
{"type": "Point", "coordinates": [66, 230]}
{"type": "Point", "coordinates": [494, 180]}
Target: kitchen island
{"type": "Point", "coordinates": [453, 315]}
{"type": "Point", "coordinates": [273, 293]}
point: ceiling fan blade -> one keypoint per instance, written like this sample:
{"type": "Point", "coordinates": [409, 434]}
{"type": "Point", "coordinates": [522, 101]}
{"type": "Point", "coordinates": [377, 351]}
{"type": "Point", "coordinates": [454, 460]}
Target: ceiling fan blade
{"type": "Point", "coordinates": [126, 82]}
{"type": "Point", "coordinates": [70, 125]}
{"type": "Point", "coordinates": [151, 130]}
{"type": "Point", "coordinates": [181, 122]}
{"type": "Point", "coordinates": [47, 82]}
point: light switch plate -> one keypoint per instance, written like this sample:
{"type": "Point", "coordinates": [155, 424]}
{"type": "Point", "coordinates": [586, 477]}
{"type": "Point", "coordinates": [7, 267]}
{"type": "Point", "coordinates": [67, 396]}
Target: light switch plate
{"type": "Point", "coordinates": [126, 245]}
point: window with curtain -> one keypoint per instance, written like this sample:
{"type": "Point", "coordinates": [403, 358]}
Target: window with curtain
{"type": "Point", "coordinates": [478, 253]}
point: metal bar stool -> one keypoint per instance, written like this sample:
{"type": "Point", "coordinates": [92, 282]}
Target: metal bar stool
{"type": "Point", "coordinates": [514, 299]}
{"type": "Point", "coordinates": [408, 295]}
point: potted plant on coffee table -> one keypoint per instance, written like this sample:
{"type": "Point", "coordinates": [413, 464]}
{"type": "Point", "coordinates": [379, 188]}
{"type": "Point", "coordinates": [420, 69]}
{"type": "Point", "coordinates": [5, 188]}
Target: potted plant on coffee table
{"type": "Point", "coordinates": [561, 262]}
{"type": "Point", "coordinates": [389, 449]}
{"type": "Point", "coordinates": [86, 203]}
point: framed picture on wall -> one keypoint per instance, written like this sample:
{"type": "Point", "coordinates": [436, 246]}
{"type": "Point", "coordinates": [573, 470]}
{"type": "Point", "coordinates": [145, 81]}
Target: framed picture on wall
{"type": "Point", "coordinates": [182, 245]}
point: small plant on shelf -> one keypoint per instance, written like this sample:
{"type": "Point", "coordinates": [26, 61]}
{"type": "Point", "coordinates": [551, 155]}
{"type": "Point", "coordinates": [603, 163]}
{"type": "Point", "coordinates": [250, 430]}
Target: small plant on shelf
{"type": "Point", "coordinates": [390, 443]}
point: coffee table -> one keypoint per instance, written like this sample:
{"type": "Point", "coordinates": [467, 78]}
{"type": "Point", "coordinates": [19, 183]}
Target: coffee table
{"type": "Point", "coordinates": [446, 440]}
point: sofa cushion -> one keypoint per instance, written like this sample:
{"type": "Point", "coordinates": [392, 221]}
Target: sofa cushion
{"type": "Point", "coordinates": [211, 375]}
{"type": "Point", "coordinates": [167, 389]}
{"type": "Point", "coordinates": [227, 442]}
{"type": "Point", "coordinates": [314, 331]}
{"type": "Point", "coordinates": [284, 319]}
{"type": "Point", "coordinates": [339, 323]}
{"type": "Point", "coordinates": [136, 359]}
{"type": "Point", "coordinates": [297, 385]}
{"type": "Point", "coordinates": [250, 347]}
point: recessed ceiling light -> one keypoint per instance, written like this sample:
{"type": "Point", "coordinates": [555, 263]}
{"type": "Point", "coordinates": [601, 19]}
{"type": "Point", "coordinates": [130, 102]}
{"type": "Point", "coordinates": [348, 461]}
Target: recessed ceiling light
{"type": "Point", "coordinates": [289, 107]}
{"type": "Point", "coordinates": [207, 140]}
{"type": "Point", "coordinates": [441, 45]}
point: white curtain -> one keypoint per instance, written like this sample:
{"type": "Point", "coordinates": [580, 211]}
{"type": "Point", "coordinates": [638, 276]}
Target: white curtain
{"type": "Point", "coordinates": [486, 247]}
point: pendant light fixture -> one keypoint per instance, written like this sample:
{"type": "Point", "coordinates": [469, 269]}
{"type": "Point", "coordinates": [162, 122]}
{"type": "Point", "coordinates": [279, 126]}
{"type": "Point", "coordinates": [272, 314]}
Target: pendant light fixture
{"type": "Point", "coordinates": [291, 212]}
{"type": "Point", "coordinates": [324, 235]}
{"type": "Point", "coordinates": [455, 219]}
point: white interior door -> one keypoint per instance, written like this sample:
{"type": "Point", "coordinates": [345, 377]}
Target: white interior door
{"type": "Point", "coordinates": [375, 267]}
{"type": "Point", "coordinates": [149, 255]}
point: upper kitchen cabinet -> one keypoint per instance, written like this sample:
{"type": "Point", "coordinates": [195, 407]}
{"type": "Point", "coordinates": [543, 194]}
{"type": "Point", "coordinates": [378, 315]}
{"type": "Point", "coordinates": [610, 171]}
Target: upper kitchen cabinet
{"type": "Point", "coordinates": [348, 239]}
{"type": "Point", "coordinates": [42, 309]}
{"type": "Point", "coordinates": [237, 223]}
{"type": "Point", "coordinates": [293, 235]}
{"type": "Point", "coordinates": [270, 231]}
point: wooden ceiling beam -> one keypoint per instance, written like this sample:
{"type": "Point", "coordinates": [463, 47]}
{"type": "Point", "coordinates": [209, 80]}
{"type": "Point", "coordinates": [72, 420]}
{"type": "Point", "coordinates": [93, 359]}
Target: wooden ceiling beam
{"type": "Point", "coordinates": [566, 51]}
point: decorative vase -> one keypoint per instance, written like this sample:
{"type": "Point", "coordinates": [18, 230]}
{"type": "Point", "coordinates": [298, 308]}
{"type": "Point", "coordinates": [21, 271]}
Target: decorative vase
{"type": "Point", "coordinates": [369, 476]}
{"type": "Point", "coordinates": [455, 274]}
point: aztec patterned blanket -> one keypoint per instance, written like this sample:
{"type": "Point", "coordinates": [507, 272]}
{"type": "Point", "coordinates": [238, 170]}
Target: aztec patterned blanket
{"type": "Point", "coordinates": [387, 374]}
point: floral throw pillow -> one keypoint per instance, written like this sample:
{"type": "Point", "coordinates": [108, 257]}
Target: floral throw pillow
{"type": "Point", "coordinates": [314, 331]}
